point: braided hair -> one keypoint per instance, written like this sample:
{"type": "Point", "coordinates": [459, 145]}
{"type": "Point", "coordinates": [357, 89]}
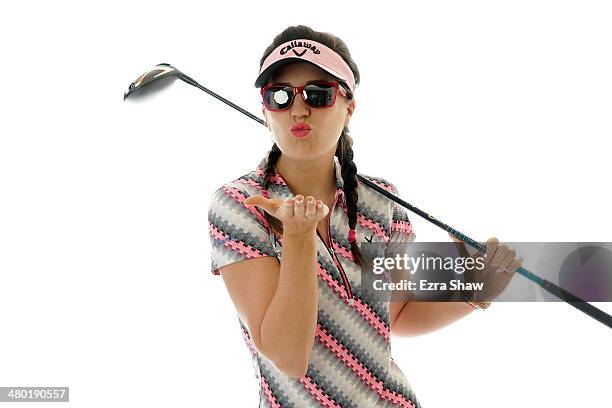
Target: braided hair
{"type": "Point", "coordinates": [344, 148]}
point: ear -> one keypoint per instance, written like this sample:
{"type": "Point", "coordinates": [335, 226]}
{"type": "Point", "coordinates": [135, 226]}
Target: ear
{"type": "Point", "coordinates": [263, 112]}
{"type": "Point", "coordinates": [350, 108]}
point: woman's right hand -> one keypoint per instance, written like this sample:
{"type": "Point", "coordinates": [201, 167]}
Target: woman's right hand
{"type": "Point", "coordinates": [299, 216]}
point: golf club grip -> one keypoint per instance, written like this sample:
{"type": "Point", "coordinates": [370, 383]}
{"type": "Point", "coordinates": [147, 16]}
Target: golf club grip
{"type": "Point", "coordinates": [578, 303]}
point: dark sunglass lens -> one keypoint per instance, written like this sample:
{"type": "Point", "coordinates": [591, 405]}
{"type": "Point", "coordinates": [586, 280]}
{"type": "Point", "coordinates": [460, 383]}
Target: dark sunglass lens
{"type": "Point", "coordinates": [319, 95]}
{"type": "Point", "coordinates": [278, 97]}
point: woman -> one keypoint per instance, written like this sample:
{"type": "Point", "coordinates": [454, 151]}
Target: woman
{"type": "Point", "coordinates": [296, 220]}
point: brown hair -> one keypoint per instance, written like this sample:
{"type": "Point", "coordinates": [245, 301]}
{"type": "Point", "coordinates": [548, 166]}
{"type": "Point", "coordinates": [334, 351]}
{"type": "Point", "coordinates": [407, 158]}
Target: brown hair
{"type": "Point", "coordinates": [344, 150]}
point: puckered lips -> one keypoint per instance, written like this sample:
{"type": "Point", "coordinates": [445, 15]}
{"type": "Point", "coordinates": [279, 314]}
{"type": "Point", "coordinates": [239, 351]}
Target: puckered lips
{"type": "Point", "coordinates": [300, 129]}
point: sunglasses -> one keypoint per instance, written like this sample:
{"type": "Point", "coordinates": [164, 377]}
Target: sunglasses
{"type": "Point", "coordinates": [320, 94]}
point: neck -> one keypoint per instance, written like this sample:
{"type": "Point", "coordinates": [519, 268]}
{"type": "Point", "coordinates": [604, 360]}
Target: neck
{"type": "Point", "coordinates": [315, 177]}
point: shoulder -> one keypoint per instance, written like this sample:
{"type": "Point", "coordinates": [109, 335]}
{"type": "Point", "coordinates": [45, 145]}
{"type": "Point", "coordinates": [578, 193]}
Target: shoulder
{"type": "Point", "coordinates": [381, 211]}
{"type": "Point", "coordinates": [226, 208]}
{"type": "Point", "coordinates": [226, 203]}
{"type": "Point", "coordinates": [377, 202]}
{"type": "Point", "coordinates": [369, 196]}
{"type": "Point", "coordinates": [239, 189]}
{"type": "Point", "coordinates": [381, 182]}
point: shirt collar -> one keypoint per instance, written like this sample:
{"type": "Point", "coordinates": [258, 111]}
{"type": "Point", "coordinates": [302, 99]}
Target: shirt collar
{"type": "Point", "coordinates": [337, 168]}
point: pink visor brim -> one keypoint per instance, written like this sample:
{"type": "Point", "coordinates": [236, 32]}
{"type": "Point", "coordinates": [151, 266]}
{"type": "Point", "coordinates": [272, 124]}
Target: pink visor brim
{"type": "Point", "coordinates": [306, 50]}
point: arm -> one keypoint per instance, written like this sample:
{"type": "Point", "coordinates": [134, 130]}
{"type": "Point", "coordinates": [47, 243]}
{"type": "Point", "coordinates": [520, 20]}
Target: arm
{"type": "Point", "coordinates": [416, 318]}
{"type": "Point", "coordinates": [288, 328]}
{"type": "Point", "coordinates": [279, 302]}
{"type": "Point", "coordinates": [412, 318]}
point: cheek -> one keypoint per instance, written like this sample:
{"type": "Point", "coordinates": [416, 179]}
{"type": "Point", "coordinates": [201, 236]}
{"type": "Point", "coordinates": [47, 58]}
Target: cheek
{"type": "Point", "coordinates": [278, 123]}
{"type": "Point", "coordinates": [335, 120]}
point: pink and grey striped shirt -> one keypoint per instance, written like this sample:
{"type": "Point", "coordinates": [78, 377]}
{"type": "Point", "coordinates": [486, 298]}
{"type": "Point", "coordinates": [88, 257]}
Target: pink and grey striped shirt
{"type": "Point", "coordinates": [351, 364]}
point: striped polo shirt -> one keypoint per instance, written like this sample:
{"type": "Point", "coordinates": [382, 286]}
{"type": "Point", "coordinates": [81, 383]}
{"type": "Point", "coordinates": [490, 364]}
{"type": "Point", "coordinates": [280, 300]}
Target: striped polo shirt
{"type": "Point", "coordinates": [350, 364]}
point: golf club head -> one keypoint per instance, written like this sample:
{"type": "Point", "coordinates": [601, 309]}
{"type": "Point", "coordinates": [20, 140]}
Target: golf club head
{"type": "Point", "coordinates": [155, 79]}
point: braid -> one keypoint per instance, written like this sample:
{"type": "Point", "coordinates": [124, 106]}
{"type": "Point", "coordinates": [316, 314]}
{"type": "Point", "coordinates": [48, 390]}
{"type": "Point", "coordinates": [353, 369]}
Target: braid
{"type": "Point", "coordinates": [275, 224]}
{"type": "Point", "coordinates": [344, 151]}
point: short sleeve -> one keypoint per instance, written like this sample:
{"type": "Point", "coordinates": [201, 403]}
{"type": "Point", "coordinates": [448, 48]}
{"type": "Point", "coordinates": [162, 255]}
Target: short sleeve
{"type": "Point", "coordinates": [237, 231]}
{"type": "Point", "coordinates": [401, 228]}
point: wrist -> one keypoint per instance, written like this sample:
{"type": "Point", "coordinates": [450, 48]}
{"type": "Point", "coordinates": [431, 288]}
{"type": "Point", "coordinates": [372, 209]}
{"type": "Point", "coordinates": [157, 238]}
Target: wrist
{"type": "Point", "coordinates": [306, 235]}
{"type": "Point", "coordinates": [468, 297]}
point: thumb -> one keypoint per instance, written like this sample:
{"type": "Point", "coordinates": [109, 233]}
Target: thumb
{"type": "Point", "coordinates": [454, 238]}
{"type": "Point", "coordinates": [260, 201]}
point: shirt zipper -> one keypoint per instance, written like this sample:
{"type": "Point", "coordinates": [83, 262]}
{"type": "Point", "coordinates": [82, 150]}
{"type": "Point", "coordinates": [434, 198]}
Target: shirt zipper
{"type": "Point", "coordinates": [330, 249]}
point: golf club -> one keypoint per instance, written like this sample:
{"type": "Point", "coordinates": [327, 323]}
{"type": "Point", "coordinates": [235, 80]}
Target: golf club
{"type": "Point", "coordinates": [164, 72]}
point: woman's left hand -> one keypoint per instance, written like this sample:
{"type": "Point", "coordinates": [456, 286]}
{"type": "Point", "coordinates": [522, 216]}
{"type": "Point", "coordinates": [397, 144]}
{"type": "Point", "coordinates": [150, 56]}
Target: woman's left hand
{"type": "Point", "coordinates": [500, 265]}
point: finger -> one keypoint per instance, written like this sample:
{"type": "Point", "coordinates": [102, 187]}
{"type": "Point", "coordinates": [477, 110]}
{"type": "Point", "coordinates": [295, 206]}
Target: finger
{"type": "Point", "coordinates": [254, 200]}
{"type": "Point", "coordinates": [454, 238]}
{"type": "Point", "coordinates": [490, 250]}
{"type": "Point", "coordinates": [311, 209]}
{"type": "Point", "coordinates": [478, 254]}
{"type": "Point", "coordinates": [270, 205]}
{"type": "Point", "coordinates": [500, 254]}
{"type": "Point", "coordinates": [322, 210]}
{"type": "Point", "coordinates": [286, 208]}
{"type": "Point", "coordinates": [514, 265]}
{"type": "Point", "coordinates": [298, 207]}
{"type": "Point", "coordinates": [507, 259]}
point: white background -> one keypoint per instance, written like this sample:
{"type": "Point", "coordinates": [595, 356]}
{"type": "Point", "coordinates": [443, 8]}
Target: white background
{"type": "Point", "coordinates": [492, 116]}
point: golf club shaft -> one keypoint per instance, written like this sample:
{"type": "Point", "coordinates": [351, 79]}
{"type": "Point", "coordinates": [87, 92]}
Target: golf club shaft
{"type": "Point", "coordinates": [555, 290]}
{"type": "Point", "coordinates": [191, 81]}
{"type": "Point", "coordinates": [550, 287]}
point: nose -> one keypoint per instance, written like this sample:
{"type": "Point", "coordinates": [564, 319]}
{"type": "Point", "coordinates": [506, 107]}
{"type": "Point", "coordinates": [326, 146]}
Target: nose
{"type": "Point", "coordinates": [299, 108]}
